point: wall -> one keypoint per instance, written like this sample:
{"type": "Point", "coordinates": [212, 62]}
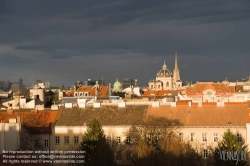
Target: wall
{"type": "Point", "coordinates": [39, 92]}
{"type": "Point", "coordinates": [9, 133]}
{"type": "Point", "coordinates": [71, 131]}
{"type": "Point", "coordinates": [210, 134]}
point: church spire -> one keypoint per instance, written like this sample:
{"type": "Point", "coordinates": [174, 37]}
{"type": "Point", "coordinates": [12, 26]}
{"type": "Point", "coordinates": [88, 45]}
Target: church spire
{"type": "Point", "coordinates": [176, 69]}
{"type": "Point", "coordinates": [176, 61]}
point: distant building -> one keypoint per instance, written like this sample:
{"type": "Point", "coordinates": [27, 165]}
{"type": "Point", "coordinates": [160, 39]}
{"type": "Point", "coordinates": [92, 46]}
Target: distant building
{"type": "Point", "coordinates": [78, 83]}
{"type": "Point", "coordinates": [5, 85]}
{"type": "Point", "coordinates": [165, 80]}
{"type": "Point", "coordinates": [20, 81]}
{"type": "Point", "coordinates": [47, 84]}
{"type": "Point", "coordinates": [127, 82]}
{"type": "Point", "coordinates": [91, 82]}
{"type": "Point", "coordinates": [246, 86]}
{"type": "Point", "coordinates": [17, 87]}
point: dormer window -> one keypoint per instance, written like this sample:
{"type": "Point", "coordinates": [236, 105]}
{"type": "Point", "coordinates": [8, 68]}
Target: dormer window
{"type": "Point", "coordinates": [209, 92]}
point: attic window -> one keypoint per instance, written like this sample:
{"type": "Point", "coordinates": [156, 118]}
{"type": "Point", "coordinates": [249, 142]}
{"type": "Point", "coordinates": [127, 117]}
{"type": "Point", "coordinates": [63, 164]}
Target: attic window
{"type": "Point", "coordinates": [209, 92]}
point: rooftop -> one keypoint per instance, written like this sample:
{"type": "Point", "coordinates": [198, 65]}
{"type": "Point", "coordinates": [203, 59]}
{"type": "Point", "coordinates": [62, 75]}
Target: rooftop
{"type": "Point", "coordinates": [207, 115]}
{"type": "Point", "coordinates": [107, 115]}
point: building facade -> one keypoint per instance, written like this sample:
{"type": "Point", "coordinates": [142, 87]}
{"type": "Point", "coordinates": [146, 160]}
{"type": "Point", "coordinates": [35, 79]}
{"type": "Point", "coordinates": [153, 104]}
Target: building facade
{"type": "Point", "coordinates": [165, 79]}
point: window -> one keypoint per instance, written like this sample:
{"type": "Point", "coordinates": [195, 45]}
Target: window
{"type": "Point", "coordinates": [159, 154]}
{"type": "Point", "coordinates": [159, 86]}
{"type": "Point", "coordinates": [66, 140]}
{"type": "Point", "coordinates": [46, 143]}
{"type": "Point", "coordinates": [152, 87]}
{"type": "Point", "coordinates": [128, 141]}
{"type": "Point", "coordinates": [108, 140]}
{"type": "Point", "coordinates": [118, 155]}
{"type": "Point", "coordinates": [181, 136]}
{"type": "Point", "coordinates": [192, 136]}
{"type": "Point", "coordinates": [57, 140]}
{"type": "Point", "coordinates": [76, 139]}
{"type": "Point", "coordinates": [216, 137]}
{"type": "Point", "coordinates": [128, 154]}
{"type": "Point", "coordinates": [57, 153]}
{"type": "Point", "coordinates": [36, 143]}
{"type": "Point", "coordinates": [209, 92]}
{"type": "Point", "coordinates": [204, 137]}
{"type": "Point", "coordinates": [167, 85]}
{"type": "Point", "coordinates": [205, 153]}
{"type": "Point", "coordinates": [118, 140]}
{"type": "Point", "coordinates": [239, 137]}
{"type": "Point", "coordinates": [248, 105]}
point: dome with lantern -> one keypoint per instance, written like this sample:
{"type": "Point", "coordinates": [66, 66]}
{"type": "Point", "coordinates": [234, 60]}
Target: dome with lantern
{"type": "Point", "coordinates": [117, 87]}
{"type": "Point", "coordinates": [164, 72]}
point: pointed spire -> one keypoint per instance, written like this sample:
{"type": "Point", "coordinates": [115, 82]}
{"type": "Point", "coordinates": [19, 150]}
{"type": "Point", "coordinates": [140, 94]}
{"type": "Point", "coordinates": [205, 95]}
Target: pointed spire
{"type": "Point", "coordinates": [176, 61]}
{"type": "Point", "coordinates": [176, 69]}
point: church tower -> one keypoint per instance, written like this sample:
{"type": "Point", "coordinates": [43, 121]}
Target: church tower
{"type": "Point", "coordinates": [176, 77]}
{"type": "Point", "coordinates": [176, 70]}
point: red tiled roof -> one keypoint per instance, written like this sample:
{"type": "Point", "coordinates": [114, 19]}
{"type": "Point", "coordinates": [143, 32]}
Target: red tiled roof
{"type": "Point", "coordinates": [103, 91]}
{"type": "Point", "coordinates": [207, 115]}
{"type": "Point", "coordinates": [220, 88]}
{"type": "Point", "coordinates": [248, 112]}
{"type": "Point", "coordinates": [29, 118]}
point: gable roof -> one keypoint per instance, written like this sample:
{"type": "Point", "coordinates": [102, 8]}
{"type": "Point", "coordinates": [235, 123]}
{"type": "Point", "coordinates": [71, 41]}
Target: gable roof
{"type": "Point", "coordinates": [220, 88]}
{"type": "Point", "coordinates": [209, 86]}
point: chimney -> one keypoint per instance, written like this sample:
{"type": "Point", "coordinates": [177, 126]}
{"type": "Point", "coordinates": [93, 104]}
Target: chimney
{"type": "Point", "coordinates": [109, 89]}
{"type": "Point", "coordinates": [74, 88]}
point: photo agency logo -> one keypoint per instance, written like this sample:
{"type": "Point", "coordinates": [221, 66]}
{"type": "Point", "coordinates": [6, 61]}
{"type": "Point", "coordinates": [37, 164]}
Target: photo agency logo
{"type": "Point", "coordinates": [232, 155]}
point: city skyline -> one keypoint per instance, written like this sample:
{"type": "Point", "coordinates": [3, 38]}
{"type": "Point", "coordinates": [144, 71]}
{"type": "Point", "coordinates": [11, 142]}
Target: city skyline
{"type": "Point", "coordinates": [66, 42]}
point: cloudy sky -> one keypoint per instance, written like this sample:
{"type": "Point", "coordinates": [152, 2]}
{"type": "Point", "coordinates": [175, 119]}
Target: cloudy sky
{"type": "Point", "coordinates": [65, 41]}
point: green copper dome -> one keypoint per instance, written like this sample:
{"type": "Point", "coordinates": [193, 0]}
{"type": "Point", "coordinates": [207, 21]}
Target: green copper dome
{"type": "Point", "coordinates": [117, 86]}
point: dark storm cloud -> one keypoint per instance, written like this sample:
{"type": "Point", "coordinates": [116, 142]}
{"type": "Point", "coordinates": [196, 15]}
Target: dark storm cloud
{"type": "Point", "coordinates": [134, 37]}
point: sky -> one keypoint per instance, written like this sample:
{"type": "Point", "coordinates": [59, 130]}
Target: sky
{"type": "Point", "coordinates": [66, 41]}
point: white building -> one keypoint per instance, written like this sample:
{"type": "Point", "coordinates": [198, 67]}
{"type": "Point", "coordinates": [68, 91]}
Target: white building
{"type": "Point", "coordinates": [165, 80]}
{"type": "Point", "coordinates": [9, 134]}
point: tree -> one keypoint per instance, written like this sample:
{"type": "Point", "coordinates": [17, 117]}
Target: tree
{"type": "Point", "coordinates": [231, 150]}
{"type": "Point", "coordinates": [29, 141]}
{"type": "Point", "coordinates": [157, 143]}
{"type": "Point", "coordinates": [98, 150]}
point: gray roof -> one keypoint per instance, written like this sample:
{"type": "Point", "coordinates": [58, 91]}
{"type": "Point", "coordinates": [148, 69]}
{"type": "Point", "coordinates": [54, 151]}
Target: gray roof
{"type": "Point", "coordinates": [107, 115]}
